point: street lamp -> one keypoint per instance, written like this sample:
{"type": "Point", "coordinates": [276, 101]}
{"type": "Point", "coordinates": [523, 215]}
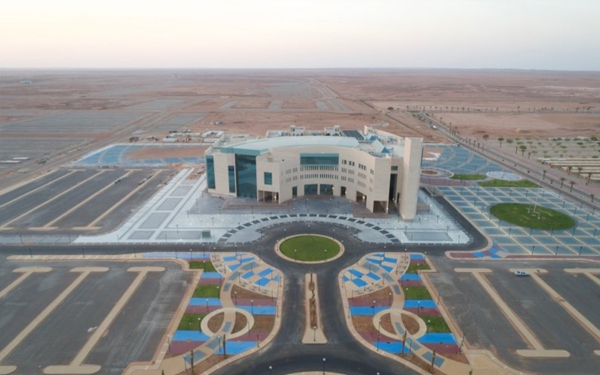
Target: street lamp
{"type": "Point", "coordinates": [324, 359]}
{"type": "Point", "coordinates": [270, 370]}
{"type": "Point", "coordinates": [252, 306]}
{"type": "Point", "coordinates": [428, 323]}
{"type": "Point", "coordinates": [199, 319]}
{"type": "Point", "coordinates": [315, 333]}
{"type": "Point", "coordinates": [206, 305]}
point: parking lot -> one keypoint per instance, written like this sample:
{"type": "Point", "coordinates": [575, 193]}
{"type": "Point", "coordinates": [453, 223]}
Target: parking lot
{"type": "Point", "coordinates": [77, 200]}
{"type": "Point", "coordinates": [85, 313]}
{"type": "Point", "coordinates": [547, 325]}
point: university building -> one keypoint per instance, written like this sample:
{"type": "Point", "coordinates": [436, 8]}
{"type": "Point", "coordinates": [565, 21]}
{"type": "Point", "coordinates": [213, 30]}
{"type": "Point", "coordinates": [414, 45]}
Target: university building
{"type": "Point", "coordinates": [374, 167]}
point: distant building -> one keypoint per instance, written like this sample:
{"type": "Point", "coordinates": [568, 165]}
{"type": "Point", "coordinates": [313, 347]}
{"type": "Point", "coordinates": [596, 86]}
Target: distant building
{"type": "Point", "coordinates": [374, 167]}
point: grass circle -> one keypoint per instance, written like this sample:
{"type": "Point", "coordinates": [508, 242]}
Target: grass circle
{"type": "Point", "coordinates": [530, 216]}
{"type": "Point", "coordinates": [309, 248]}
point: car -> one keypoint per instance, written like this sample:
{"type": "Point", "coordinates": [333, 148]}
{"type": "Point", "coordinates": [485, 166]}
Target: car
{"type": "Point", "coordinates": [521, 273]}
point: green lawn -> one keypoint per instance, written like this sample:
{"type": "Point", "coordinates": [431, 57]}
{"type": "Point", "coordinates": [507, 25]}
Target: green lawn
{"type": "Point", "coordinates": [206, 266]}
{"type": "Point", "coordinates": [412, 268]}
{"type": "Point", "coordinates": [417, 292]}
{"type": "Point", "coordinates": [505, 183]}
{"type": "Point", "coordinates": [208, 291]}
{"type": "Point", "coordinates": [189, 322]}
{"type": "Point", "coordinates": [530, 216]}
{"type": "Point", "coordinates": [469, 177]}
{"type": "Point", "coordinates": [309, 248]}
{"type": "Point", "coordinates": [436, 324]}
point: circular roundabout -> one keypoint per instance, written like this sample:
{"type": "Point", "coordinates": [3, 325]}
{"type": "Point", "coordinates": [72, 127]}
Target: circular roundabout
{"type": "Point", "coordinates": [309, 248]}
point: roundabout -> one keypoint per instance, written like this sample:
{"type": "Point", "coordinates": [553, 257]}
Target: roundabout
{"type": "Point", "coordinates": [309, 248]}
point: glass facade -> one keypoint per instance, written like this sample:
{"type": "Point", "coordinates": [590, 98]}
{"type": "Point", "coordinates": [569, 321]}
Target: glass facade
{"type": "Point", "coordinates": [268, 178]}
{"type": "Point", "coordinates": [231, 170]}
{"type": "Point", "coordinates": [319, 159]}
{"type": "Point", "coordinates": [210, 171]}
{"type": "Point", "coordinates": [310, 189]}
{"type": "Point", "coordinates": [245, 166]}
{"type": "Point", "coordinates": [325, 189]}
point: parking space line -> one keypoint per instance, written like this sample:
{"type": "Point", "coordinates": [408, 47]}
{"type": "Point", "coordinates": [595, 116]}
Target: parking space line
{"type": "Point", "coordinates": [111, 209]}
{"type": "Point", "coordinates": [582, 320]}
{"type": "Point", "coordinates": [76, 366]}
{"type": "Point", "coordinates": [84, 272]}
{"type": "Point", "coordinates": [111, 184]}
{"type": "Point", "coordinates": [52, 199]}
{"type": "Point", "coordinates": [589, 272]}
{"type": "Point", "coordinates": [26, 272]}
{"type": "Point", "coordinates": [38, 188]}
{"type": "Point", "coordinates": [512, 317]}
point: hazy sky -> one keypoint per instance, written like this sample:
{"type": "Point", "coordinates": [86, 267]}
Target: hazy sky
{"type": "Point", "coordinates": [523, 34]}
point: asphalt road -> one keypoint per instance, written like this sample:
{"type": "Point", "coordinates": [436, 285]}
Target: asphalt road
{"type": "Point", "coordinates": [342, 352]}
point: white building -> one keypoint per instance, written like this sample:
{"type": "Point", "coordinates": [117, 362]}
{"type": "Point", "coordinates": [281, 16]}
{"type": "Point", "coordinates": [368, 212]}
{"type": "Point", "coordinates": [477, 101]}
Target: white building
{"type": "Point", "coordinates": [374, 167]}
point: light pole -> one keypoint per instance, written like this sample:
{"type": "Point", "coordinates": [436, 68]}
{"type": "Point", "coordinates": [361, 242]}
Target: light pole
{"type": "Point", "coordinates": [428, 323]}
{"type": "Point", "coordinates": [252, 306]}
{"type": "Point", "coordinates": [390, 304]}
{"type": "Point", "coordinates": [270, 370]}
{"type": "Point", "coordinates": [199, 320]}
{"type": "Point", "coordinates": [206, 305]}
{"type": "Point", "coordinates": [324, 359]}
{"type": "Point", "coordinates": [315, 334]}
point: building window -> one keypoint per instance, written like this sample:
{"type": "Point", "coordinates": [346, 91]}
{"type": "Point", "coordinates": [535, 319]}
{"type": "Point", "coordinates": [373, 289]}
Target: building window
{"type": "Point", "coordinates": [245, 165]}
{"type": "Point", "coordinates": [319, 159]}
{"type": "Point", "coordinates": [394, 167]}
{"type": "Point", "coordinates": [231, 170]}
{"type": "Point", "coordinates": [268, 178]}
{"type": "Point", "coordinates": [210, 171]}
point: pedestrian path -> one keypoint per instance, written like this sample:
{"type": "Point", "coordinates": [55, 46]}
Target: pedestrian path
{"type": "Point", "coordinates": [238, 271]}
{"type": "Point", "coordinates": [509, 239]}
{"type": "Point", "coordinates": [381, 286]}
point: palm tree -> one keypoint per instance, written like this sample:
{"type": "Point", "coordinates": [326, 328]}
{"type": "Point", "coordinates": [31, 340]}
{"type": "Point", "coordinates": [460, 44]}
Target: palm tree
{"type": "Point", "coordinates": [562, 181]}
{"type": "Point", "coordinates": [544, 175]}
{"type": "Point", "coordinates": [500, 140]}
{"type": "Point", "coordinates": [592, 197]}
{"type": "Point", "coordinates": [572, 183]}
{"type": "Point", "coordinates": [579, 171]}
{"type": "Point", "coordinates": [485, 137]}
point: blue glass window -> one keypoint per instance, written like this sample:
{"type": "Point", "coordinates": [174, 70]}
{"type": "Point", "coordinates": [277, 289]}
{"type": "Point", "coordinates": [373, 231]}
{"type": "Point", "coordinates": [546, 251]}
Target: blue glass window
{"type": "Point", "coordinates": [210, 171]}
{"type": "Point", "coordinates": [231, 169]}
{"type": "Point", "coordinates": [245, 166]}
{"type": "Point", "coordinates": [319, 159]}
{"type": "Point", "coordinates": [268, 178]}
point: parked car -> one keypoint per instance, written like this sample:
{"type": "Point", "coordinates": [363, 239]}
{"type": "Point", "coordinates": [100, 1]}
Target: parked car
{"type": "Point", "coordinates": [521, 273]}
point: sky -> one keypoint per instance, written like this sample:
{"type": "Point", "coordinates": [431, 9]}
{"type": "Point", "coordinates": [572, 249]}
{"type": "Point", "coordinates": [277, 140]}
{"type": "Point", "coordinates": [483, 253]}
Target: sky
{"type": "Point", "coordinates": [468, 34]}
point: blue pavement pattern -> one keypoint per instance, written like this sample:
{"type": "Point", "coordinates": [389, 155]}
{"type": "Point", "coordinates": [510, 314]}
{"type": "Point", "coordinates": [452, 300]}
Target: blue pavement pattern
{"type": "Point", "coordinates": [117, 155]}
{"type": "Point", "coordinates": [370, 272]}
{"type": "Point", "coordinates": [475, 202]}
{"type": "Point", "coordinates": [461, 161]}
